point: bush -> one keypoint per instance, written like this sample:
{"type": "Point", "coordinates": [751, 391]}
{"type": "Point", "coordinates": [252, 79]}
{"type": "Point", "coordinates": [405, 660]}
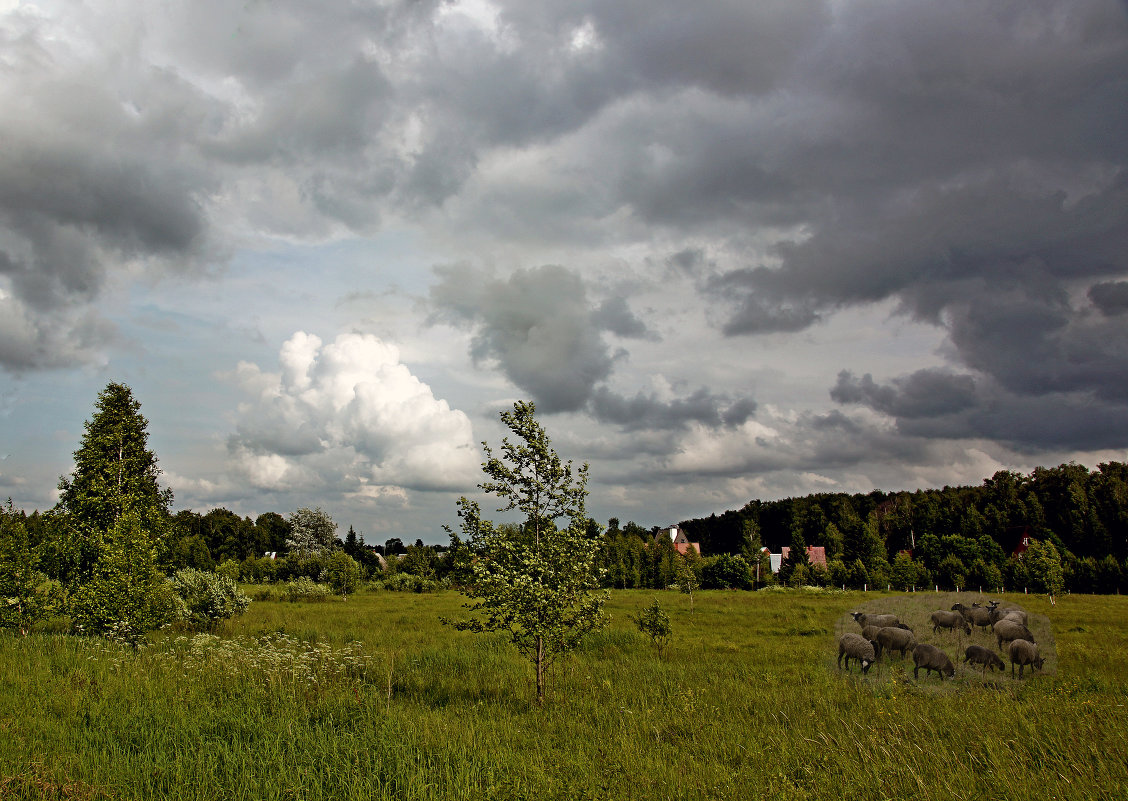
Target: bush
{"type": "Point", "coordinates": [406, 582]}
{"type": "Point", "coordinates": [304, 588]}
{"type": "Point", "coordinates": [343, 573]}
{"type": "Point", "coordinates": [208, 597]}
{"type": "Point", "coordinates": [230, 569]}
{"type": "Point", "coordinates": [655, 623]}
{"type": "Point", "coordinates": [725, 572]}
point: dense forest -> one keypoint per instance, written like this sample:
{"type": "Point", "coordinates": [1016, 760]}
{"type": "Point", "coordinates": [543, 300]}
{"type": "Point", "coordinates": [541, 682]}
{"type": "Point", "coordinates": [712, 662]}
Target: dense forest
{"type": "Point", "coordinates": [952, 537]}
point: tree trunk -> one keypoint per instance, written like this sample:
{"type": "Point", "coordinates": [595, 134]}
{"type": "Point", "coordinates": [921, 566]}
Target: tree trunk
{"type": "Point", "coordinates": [540, 671]}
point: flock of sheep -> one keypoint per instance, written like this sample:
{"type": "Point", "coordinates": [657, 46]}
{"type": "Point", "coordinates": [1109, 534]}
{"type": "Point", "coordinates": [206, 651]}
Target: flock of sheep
{"type": "Point", "coordinates": [884, 632]}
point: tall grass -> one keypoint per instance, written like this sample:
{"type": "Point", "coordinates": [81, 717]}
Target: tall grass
{"type": "Point", "coordinates": [374, 698]}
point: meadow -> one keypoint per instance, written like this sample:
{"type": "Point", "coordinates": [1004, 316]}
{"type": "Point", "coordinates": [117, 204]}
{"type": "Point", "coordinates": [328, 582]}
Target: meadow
{"type": "Point", "coordinates": [374, 698]}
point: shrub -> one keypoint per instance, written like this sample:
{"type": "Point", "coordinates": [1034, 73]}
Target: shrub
{"type": "Point", "coordinates": [406, 582]}
{"type": "Point", "coordinates": [342, 573]}
{"type": "Point", "coordinates": [208, 597]}
{"type": "Point", "coordinates": [304, 588]}
{"type": "Point", "coordinates": [230, 569]}
{"type": "Point", "coordinates": [655, 623]}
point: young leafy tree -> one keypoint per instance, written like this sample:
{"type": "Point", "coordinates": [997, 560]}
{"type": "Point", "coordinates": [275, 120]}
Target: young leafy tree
{"type": "Point", "coordinates": [536, 581]}
{"type": "Point", "coordinates": [126, 596]}
{"type": "Point", "coordinates": [23, 598]}
{"type": "Point", "coordinates": [1043, 562]}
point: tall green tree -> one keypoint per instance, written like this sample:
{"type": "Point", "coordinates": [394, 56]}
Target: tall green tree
{"type": "Point", "coordinates": [113, 516]}
{"type": "Point", "coordinates": [114, 473]}
{"type": "Point", "coordinates": [536, 581]}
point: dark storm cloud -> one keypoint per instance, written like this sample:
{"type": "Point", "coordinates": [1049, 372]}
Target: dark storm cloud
{"type": "Point", "coordinates": [648, 412]}
{"type": "Point", "coordinates": [1111, 297]}
{"type": "Point", "coordinates": [540, 328]}
{"type": "Point", "coordinates": [615, 315]}
{"type": "Point", "coordinates": [537, 325]}
{"type": "Point", "coordinates": [925, 393]}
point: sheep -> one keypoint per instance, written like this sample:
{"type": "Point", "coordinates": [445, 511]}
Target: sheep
{"type": "Point", "coordinates": [892, 638]}
{"type": "Point", "coordinates": [855, 646]}
{"type": "Point", "coordinates": [976, 615]}
{"type": "Point", "coordinates": [1022, 653]}
{"type": "Point", "coordinates": [870, 632]}
{"type": "Point", "coordinates": [949, 620]}
{"type": "Point", "coordinates": [932, 658]}
{"type": "Point", "coordinates": [869, 618]}
{"type": "Point", "coordinates": [1009, 630]}
{"type": "Point", "coordinates": [985, 657]}
{"type": "Point", "coordinates": [1010, 613]}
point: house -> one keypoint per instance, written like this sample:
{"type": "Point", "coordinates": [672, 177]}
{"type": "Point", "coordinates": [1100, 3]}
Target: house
{"type": "Point", "coordinates": [678, 538]}
{"type": "Point", "coordinates": [816, 555]}
{"type": "Point", "coordinates": [1021, 535]}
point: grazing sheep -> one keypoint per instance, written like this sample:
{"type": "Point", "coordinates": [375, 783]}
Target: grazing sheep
{"type": "Point", "coordinates": [855, 646]}
{"type": "Point", "coordinates": [892, 638]}
{"type": "Point", "coordinates": [870, 632]}
{"type": "Point", "coordinates": [1022, 653]}
{"type": "Point", "coordinates": [932, 658]}
{"type": "Point", "coordinates": [949, 620]}
{"type": "Point", "coordinates": [1010, 630]}
{"type": "Point", "coordinates": [1010, 613]}
{"type": "Point", "coordinates": [867, 619]}
{"type": "Point", "coordinates": [985, 657]}
{"type": "Point", "coordinates": [975, 615]}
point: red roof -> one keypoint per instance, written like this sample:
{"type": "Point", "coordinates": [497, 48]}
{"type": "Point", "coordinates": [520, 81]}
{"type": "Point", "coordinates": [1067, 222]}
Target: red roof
{"type": "Point", "coordinates": [816, 554]}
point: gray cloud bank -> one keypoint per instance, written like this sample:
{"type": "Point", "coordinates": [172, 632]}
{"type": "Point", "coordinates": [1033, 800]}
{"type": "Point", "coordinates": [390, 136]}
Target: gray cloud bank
{"type": "Point", "coordinates": [965, 162]}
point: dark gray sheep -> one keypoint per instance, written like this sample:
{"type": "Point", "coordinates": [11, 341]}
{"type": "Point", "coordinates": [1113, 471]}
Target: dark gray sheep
{"type": "Point", "coordinates": [870, 632]}
{"type": "Point", "coordinates": [855, 646]}
{"type": "Point", "coordinates": [893, 638]}
{"type": "Point", "coordinates": [974, 615]}
{"type": "Point", "coordinates": [864, 619]}
{"type": "Point", "coordinates": [1010, 630]}
{"type": "Point", "coordinates": [942, 619]}
{"type": "Point", "coordinates": [1009, 613]}
{"type": "Point", "coordinates": [985, 657]}
{"type": "Point", "coordinates": [1022, 653]}
{"type": "Point", "coordinates": [932, 658]}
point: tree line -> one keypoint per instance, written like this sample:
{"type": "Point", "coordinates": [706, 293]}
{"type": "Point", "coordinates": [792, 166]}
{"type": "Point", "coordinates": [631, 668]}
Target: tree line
{"type": "Point", "coordinates": [963, 537]}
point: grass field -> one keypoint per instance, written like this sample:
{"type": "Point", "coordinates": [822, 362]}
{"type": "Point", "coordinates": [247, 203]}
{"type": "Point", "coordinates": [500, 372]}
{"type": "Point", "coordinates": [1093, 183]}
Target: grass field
{"type": "Point", "coordinates": [374, 698]}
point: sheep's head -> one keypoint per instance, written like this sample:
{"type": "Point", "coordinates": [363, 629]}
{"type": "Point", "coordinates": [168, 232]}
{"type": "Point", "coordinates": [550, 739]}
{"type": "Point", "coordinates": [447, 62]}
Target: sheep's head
{"type": "Point", "coordinates": [1039, 661]}
{"type": "Point", "coordinates": [949, 670]}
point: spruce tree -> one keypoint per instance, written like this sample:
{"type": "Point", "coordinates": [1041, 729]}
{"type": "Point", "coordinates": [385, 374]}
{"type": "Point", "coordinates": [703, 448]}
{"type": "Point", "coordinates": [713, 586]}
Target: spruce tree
{"type": "Point", "coordinates": [111, 517]}
{"type": "Point", "coordinates": [114, 470]}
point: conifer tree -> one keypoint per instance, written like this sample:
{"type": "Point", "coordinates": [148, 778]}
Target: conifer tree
{"type": "Point", "coordinates": [113, 515]}
{"type": "Point", "coordinates": [114, 473]}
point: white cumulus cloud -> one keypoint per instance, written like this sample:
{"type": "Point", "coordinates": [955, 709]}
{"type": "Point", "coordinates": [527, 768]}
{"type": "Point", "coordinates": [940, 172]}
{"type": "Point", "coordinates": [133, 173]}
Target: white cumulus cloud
{"type": "Point", "coordinates": [348, 415]}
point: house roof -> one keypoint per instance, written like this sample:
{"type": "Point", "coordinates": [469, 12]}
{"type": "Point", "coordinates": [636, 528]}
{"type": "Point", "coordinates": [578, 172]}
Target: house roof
{"type": "Point", "coordinates": [816, 555]}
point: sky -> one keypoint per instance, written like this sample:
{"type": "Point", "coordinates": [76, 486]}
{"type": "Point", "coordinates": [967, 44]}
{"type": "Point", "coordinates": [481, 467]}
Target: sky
{"type": "Point", "coordinates": [730, 250]}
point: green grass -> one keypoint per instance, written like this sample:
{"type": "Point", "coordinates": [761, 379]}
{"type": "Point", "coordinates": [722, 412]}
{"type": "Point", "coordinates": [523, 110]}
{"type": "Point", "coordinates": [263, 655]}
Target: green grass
{"type": "Point", "coordinates": [745, 703]}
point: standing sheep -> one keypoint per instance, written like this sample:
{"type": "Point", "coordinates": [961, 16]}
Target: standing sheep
{"type": "Point", "coordinates": [975, 615]}
{"type": "Point", "coordinates": [1010, 630]}
{"type": "Point", "coordinates": [1022, 653]}
{"type": "Point", "coordinates": [985, 657]}
{"type": "Point", "coordinates": [932, 658]}
{"type": "Point", "coordinates": [893, 638]}
{"type": "Point", "coordinates": [864, 619]}
{"type": "Point", "coordinates": [942, 619]}
{"type": "Point", "coordinates": [855, 646]}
